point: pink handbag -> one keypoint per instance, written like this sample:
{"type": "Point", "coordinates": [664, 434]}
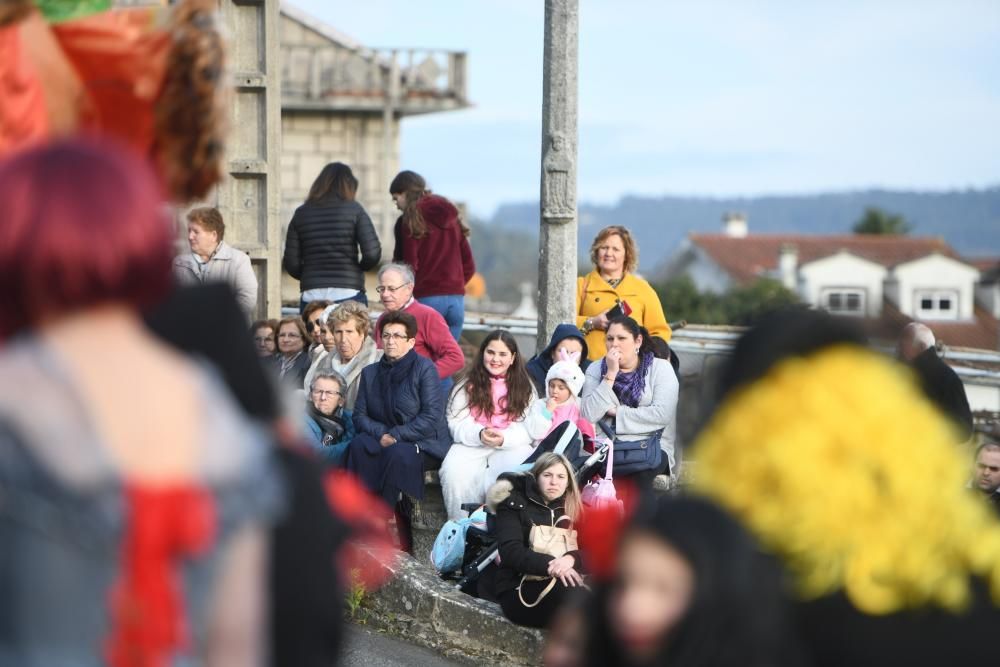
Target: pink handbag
{"type": "Point", "coordinates": [602, 494]}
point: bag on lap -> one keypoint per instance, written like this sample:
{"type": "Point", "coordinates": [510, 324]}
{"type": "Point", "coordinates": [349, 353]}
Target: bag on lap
{"type": "Point", "coordinates": [552, 541]}
{"type": "Point", "coordinates": [632, 456]}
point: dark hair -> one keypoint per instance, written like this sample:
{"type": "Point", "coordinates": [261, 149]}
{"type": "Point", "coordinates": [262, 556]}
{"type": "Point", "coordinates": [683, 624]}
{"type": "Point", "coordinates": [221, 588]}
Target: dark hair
{"type": "Point", "coordinates": [519, 387]}
{"type": "Point", "coordinates": [738, 614]}
{"type": "Point", "coordinates": [312, 307]}
{"type": "Point", "coordinates": [636, 330]}
{"type": "Point", "coordinates": [415, 187]}
{"type": "Point", "coordinates": [791, 332]}
{"type": "Point", "coordinates": [335, 179]}
{"type": "Point", "coordinates": [408, 321]}
{"type": "Point", "coordinates": [57, 198]}
{"type": "Point", "coordinates": [209, 218]}
{"type": "Point", "coordinates": [265, 324]}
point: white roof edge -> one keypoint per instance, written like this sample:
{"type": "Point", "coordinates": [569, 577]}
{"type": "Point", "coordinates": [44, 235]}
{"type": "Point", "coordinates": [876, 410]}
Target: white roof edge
{"type": "Point", "coordinates": [324, 29]}
{"type": "Point", "coordinates": [938, 253]}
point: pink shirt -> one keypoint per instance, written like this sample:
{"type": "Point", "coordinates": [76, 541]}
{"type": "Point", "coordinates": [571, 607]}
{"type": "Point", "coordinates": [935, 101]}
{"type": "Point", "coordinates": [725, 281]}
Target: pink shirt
{"type": "Point", "coordinates": [499, 419]}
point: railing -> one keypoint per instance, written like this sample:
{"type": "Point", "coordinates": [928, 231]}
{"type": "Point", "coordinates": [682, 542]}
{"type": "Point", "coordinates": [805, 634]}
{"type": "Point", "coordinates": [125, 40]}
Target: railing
{"type": "Point", "coordinates": [318, 73]}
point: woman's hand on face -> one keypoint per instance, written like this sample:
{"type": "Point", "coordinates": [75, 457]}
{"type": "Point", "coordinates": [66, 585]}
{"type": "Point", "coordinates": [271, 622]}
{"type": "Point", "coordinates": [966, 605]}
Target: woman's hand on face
{"type": "Point", "coordinates": [613, 357]}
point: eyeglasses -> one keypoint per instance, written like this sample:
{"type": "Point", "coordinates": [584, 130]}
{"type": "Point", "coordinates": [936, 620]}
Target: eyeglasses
{"type": "Point", "coordinates": [323, 393]}
{"type": "Point", "coordinates": [315, 323]}
{"type": "Point", "coordinates": [289, 334]}
{"type": "Point", "coordinates": [394, 337]}
{"type": "Point", "coordinates": [392, 290]}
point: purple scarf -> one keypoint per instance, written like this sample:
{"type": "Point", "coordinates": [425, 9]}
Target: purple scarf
{"type": "Point", "coordinates": [628, 386]}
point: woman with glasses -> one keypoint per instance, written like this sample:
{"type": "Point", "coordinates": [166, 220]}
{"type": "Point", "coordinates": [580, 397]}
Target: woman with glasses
{"type": "Point", "coordinates": [292, 360]}
{"type": "Point", "coordinates": [329, 426]}
{"type": "Point", "coordinates": [331, 241]}
{"type": "Point", "coordinates": [399, 415]}
{"type": "Point", "coordinates": [265, 337]}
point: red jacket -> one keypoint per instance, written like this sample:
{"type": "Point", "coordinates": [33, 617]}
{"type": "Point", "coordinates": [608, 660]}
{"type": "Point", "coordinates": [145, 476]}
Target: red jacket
{"type": "Point", "coordinates": [442, 259]}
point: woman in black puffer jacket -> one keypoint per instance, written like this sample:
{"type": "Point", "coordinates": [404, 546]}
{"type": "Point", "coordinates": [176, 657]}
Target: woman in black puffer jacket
{"type": "Point", "coordinates": [546, 496]}
{"type": "Point", "coordinates": [325, 236]}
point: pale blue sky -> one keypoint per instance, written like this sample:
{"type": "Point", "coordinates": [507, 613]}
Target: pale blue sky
{"type": "Point", "coordinates": [708, 98]}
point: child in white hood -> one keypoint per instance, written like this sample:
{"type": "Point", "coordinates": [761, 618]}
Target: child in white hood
{"type": "Point", "coordinates": [563, 383]}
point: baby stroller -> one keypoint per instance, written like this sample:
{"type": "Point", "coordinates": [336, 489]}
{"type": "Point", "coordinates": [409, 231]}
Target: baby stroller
{"type": "Point", "coordinates": [481, 549]}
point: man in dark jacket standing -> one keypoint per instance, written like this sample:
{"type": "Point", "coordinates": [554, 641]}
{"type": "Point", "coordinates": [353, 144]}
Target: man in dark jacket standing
{"type": "Point", "coordinates": [940, 383]}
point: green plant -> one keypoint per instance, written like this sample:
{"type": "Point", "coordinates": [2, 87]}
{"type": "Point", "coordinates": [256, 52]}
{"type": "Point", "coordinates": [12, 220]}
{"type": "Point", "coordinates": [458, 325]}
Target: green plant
{"type": "Point", "coordinates": [356, 595]}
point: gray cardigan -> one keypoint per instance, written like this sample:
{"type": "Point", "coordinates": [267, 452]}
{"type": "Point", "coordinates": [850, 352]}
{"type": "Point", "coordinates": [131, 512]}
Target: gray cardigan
{"type": "Point", "coordinates": [229, 266]}
{"type": "Point", "coordinates": [657, 406]}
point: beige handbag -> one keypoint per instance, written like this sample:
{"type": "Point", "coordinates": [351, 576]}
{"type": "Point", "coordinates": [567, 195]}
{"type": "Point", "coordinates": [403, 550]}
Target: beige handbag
{"type": "Point", "coordinates": [551, 540]}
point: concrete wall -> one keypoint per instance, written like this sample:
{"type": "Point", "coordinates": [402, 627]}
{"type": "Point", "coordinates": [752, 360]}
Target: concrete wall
{"type": "Point", "coordinates": [982, 397]}
{"type": "Point", "coordinates": [936, 272]}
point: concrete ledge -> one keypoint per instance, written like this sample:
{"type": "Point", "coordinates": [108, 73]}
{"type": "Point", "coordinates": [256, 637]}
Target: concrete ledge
{"type": "Point", "coordinates": [417, 606]}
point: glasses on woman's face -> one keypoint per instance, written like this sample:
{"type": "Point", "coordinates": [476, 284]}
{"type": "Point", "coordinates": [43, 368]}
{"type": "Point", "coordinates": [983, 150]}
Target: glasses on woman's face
{"type": "Point", "coordinates": [289, 334]}
{"type": "Point", "coordinates": [393, 337]}
{"type": "Point", "coordinates": [391, 290]}
{"type": "Point", "coordinates": [323, 393]}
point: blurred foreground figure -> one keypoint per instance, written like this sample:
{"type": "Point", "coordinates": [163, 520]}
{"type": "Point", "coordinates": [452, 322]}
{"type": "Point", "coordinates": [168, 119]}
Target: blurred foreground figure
{"type": "Point", "coordinates": [136, 497]}
{"type": "Point", "coordinates": [833, 457]}
{"type": "Point", "coordinates": [688, 588]}
{"type": "Point", "coordinates": [150, 77]}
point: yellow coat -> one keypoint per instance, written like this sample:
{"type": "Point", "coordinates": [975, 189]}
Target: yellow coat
{"type": "Point", "coordinates": [600, 296]}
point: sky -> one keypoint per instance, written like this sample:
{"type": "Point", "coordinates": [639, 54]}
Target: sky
{"type": "Point", "coordinates": [707, 98]}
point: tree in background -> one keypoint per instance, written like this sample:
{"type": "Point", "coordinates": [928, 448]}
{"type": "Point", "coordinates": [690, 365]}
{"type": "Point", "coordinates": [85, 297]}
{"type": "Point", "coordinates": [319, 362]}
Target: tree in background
{"type": "Point", "coordinates": [877, 221]}
{"type": "Point", "coordinates": [739, 306]}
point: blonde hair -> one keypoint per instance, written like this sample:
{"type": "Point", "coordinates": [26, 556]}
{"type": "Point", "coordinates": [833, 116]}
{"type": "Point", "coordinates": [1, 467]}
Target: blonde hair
{"type": "Point", "coordinates": [631, 251]}
{"type": "Point", "coordinates": [809, 457]}
{"type": "Point", "coordinates": [351, 311]}
{"type": "Point", "coordinates": [571, 500]}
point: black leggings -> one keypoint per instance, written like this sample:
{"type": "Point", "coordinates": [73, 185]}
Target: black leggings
{"type": "Point", "coordinates": [541, 614]}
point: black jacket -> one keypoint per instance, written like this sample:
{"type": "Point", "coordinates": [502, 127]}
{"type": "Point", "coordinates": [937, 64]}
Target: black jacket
{"type": "Point", "coordinates": [942, 385]}
{"type": "Point", "coordinates": [321, 247]}
{"type": "Point", "coordinates": [523, 508]}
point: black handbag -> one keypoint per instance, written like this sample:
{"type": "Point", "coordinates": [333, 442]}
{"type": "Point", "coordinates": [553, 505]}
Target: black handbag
{"type": "Point", "coordinates": [632, 456]}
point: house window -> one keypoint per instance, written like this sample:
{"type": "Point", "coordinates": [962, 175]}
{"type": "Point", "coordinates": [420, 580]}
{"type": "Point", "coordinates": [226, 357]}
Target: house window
{"type": "Point", "coordinates": [936, 304]}
{"type": "Point", "coordinates": [844, 301]}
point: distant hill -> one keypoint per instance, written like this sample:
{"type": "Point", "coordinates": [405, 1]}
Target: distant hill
{"type": "Point", "coordinates": [969, 220]}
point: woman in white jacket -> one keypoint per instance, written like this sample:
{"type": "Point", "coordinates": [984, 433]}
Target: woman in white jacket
{"type": "Point", "coordinates": [486, 416]}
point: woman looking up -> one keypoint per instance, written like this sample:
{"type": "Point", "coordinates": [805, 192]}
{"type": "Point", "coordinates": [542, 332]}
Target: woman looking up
{"type": "Point", "coordinates": [433, 240]}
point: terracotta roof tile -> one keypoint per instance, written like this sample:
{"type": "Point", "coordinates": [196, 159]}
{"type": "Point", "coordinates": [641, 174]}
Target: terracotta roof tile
{"type": "Point", "coordinates": [745, 259]}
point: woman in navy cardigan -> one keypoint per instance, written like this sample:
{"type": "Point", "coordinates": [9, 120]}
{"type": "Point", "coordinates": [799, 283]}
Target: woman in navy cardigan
{"type": "Point", "coordinates": [399, 415]}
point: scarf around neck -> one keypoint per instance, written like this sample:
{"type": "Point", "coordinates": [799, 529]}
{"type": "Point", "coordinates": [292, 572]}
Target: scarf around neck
{"type": "Point", "coordinates": [331, 425]}
{"type": "Point", "coordinates": [629, 386]}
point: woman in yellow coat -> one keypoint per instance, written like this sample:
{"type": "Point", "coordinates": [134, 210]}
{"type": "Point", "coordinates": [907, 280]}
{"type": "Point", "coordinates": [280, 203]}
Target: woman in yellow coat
{"type": "Point", "coordinates": [615, 257]}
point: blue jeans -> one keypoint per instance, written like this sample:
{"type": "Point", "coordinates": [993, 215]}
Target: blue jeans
{"type": "Point", "coordinates": [452, 309]}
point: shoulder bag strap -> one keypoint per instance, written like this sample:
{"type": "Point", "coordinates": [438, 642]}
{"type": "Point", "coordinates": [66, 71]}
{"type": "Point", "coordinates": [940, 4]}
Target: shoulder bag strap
{"type": "Point", "coordinates": [541, 596]}
{"type": "Point", "coordinates": [608, 475]}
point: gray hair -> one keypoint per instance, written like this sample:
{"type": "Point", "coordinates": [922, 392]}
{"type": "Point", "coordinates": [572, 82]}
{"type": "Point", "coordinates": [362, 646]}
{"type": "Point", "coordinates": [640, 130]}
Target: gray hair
{"type": "Point", "coordinates": [400, 268]}
{"type": "Point", "coordinates": [919, 335]}
{"type": "Point", "coordinates": [329, 374]}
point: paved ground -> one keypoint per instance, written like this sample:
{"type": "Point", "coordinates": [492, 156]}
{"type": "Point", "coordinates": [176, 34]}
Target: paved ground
{"type": "Point", "coordinates": [371, 649]}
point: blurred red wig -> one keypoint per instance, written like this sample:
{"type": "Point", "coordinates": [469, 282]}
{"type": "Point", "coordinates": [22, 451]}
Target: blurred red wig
{"type": "Point", "coordinates": [82, 223]}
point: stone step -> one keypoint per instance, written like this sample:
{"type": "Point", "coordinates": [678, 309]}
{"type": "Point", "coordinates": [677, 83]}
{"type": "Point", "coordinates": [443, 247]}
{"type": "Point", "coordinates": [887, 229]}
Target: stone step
{"type": "Point", "coordinates": [419, 607]}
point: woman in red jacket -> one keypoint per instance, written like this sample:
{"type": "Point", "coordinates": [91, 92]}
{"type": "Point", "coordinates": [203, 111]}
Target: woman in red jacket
{"type": "Point", "coordinates": [432, 239]}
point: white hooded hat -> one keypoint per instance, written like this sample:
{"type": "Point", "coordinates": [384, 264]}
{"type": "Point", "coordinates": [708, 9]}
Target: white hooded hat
{"type": "Point", "coordinates": [569, 372]}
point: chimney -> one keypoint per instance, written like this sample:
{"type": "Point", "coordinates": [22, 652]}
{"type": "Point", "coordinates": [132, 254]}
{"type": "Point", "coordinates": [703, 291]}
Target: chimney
{"type": "Point", "coordinates": [735, 225]}
{"type": "Point", "coordinates": [788, 265]}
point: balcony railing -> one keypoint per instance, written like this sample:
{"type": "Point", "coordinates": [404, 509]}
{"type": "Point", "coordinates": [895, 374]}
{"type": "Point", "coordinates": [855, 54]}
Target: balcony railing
{"type": "Point", "coordinates": [411, 80]}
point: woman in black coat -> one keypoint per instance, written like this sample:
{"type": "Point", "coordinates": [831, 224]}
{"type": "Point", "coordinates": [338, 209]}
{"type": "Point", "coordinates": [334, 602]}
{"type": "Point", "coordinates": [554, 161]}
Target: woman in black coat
{"type": "Point", "coordinates": [546, 496]}
{"type": "Point", "coordinates": [325, 236]}
{"type": "Point", "coordinates": [399, 413]}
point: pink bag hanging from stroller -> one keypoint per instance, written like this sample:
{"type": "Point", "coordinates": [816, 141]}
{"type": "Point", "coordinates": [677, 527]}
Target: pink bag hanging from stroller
{"type": "Point", "coordinates": [602, 494]}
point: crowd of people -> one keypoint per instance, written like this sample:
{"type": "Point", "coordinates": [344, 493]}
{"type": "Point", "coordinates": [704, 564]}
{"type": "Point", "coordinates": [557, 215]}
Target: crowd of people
{"type": "Point", "coordinates": [170, 464]}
